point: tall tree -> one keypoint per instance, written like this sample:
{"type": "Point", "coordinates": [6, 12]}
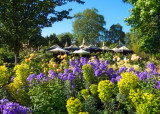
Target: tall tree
{"type": "Point", "coordinates": [131, 39]}
{"type": "Point", "coordinates": [21, 19]}
{"type": "Point", "coordinates": [145, 19]}
{"type": "Point", "coordinates": [115, 34]}
{"type": "Point", "coordinates": [65, 37]}
{"type": "Point", "coordinates": [88, 25]}
{"type": "Point", "coordinates": [53, 39]}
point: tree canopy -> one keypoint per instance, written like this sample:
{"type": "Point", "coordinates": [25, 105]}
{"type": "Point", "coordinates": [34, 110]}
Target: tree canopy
{"type": "Point", "coordinates": [65, 37]}
{"type": "Point", "coordinates": [21, 20]}
{"type": "Point", "coordinates": [145, 19]}
{"type": "Point", "coordinates": [88, 25]}
{"type": "Point", "coordinates": [114, 34]}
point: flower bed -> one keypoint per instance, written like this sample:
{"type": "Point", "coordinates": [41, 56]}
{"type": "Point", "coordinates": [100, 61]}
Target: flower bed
{"type": "Point", "coordinates": [84, 86]}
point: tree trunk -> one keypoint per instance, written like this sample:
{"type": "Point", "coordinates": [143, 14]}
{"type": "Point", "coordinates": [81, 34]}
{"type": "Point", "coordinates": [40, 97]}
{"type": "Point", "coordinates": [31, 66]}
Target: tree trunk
{"type": "Point", "coordinates": [16, 52]}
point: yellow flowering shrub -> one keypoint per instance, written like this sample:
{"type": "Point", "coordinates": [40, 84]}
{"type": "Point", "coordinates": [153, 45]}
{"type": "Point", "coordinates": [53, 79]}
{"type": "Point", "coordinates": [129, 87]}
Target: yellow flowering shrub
{"type": "Point", "coordinates": [106, 90]}
{"type": "Point", "coordinates": [144, 103]}
{"type": "Point", "coordinates": [88, 73]}
{"type": "Point", "coordinates": [74, 105]}
{"type": "Point", "coordinates": [93, 88]}
{"type": "Point", "coordinates": [4, 75]}
{"type": "Point", "coordinates": [18, 87]}
{"type": "Point", "coordinates": [84, 113]}
{"type": "Point", "coordinates": [22, 72]}
{"type": "Point", "coordinates": [127, 82]}
{"type": "Point", "coordinates": [84, 93]}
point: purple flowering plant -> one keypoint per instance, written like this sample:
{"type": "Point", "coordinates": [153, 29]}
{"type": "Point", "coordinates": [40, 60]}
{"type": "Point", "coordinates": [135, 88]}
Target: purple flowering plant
{"type": "Point", "coordinates": [7, 107]}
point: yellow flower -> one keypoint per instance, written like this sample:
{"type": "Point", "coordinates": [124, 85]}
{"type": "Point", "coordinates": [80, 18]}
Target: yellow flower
{"type": "Point", "coordinates": [105, 89]}
{"type": "Point", "coordinates": [74, 105]}
{"type": "Point", "coordinates": [127, 82]}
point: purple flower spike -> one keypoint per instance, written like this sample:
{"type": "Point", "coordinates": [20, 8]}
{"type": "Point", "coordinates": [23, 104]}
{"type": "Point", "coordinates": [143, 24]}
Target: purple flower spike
{"type": "Point", "coordinates": [122, 69]}
{"type": "Point", "coordinates": [52, 74]}
{"type": "Point", "coordinates": [71, 77]}
{"type": "Point", "coordinates": [12, 108]}
{"type": "Point", "coordinates": [118, 78]}
{"type": "Point", "coordinates": [158, 85]}
{"type": "Point", "coordinates": [152, 67]}
{"type": "Point", "coordinates": [107, 62]}
{"type": "Point", "coordinates": [131, 69]}
{"type": "Point", "coordinates": [98, 72]}
{"type": "Point", "coordinates": [40, 76]}
{"type": "Point", "coordinates": [31, 77]}
{"type": "Point", "coordinates": [71, 63]}
{"type": "Point", "coordinates": [113, 80]}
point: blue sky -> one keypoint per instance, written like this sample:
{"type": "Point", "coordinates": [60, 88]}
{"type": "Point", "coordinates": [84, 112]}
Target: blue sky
{"type": "Point", "coordinates": [114, 11]}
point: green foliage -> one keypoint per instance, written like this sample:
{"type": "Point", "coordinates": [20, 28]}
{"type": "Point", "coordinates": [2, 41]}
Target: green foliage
{"type": "Point", "coordinates": [144, 102]}
{"type": "Point", "coordinates": [127, 82]}
{"type": "Point", "coordinates": [90, 105]}
{"type": "Point", "coordinates": [115, 34]}
{"type": "Point", "coordinates": [93, 88]}
{"type": "Point", "coordinates": [84, 93]}
{"type": "Point", "coordinates": [4, 75]}
{"type": "Point", "coordinates": [74, 105]}
{"type": "Point", "coordinates": [47, 98]}
{"type": "Point", "coordinates": [88, 73]}
{"type": "Point", "coordinates": [145, 19]}
{"type": "Point", "coordinates": [65, 37]}
{"type": "Point", "coordinates": [84, 113]}
{"type": "Point", "coordinates": [130, 1]}
{"type": "Point", "coordinates": [19, 88]}
{"type": "Point", "coordinates": [21, 21]}
{"type": "Point", "coordinates": [68, 90]}
{"type": "Point", "coordinates": [6, 55]}
{"type": "Point", "coordinates": [52, 40]}
{"type": "Point", "coordinates": [107, 56]}
{"type": "Point", "coordinates": [106, 90]}
{"type": "Point", "coordinates": [88, 25]}
{"type": "Point", "coordinates": [132, 41]}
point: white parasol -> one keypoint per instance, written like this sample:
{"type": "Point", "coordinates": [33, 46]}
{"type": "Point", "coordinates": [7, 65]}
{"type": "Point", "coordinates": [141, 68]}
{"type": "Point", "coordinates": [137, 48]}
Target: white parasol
{"type": "Point", "coordinates": [81, 51]}
{"type": "Point", "coordinates": [58, 49]}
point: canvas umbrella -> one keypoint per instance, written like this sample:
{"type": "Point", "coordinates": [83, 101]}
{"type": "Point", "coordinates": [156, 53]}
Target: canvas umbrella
{"type": "Point", "coordinates": [93, 48]}
{"type": "Point", "coordinates": [72, 47]}
{"type": "Point", "coordinates": [115, 49]}
{"type": "Point", "coordinates": [58, 49]}
{"type": "Point", "coordinates": [53, 47]}
{"type": "Point", "coordinates": [125, 50]}
{"type": "Point", "coordinates": [81, 51]}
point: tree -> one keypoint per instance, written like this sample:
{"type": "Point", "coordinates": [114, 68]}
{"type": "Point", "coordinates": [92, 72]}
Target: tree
{"type": "Point", "coordinates": [131, 39]}
{"type": "Point", "coordinates": [53, 39]}
{"type": "Point", "coordinates": [88, 25]}
{"type": "Point", "coordinates": [130, 1]}
{"type": "Point", "coordinates": [115, 34]}
{"type": "Point", "coordinates": [65, 37]}
{"type": "Point", "coordinates": [145, 19]}
{"type": "Point", "coordinates": [21, 20]}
